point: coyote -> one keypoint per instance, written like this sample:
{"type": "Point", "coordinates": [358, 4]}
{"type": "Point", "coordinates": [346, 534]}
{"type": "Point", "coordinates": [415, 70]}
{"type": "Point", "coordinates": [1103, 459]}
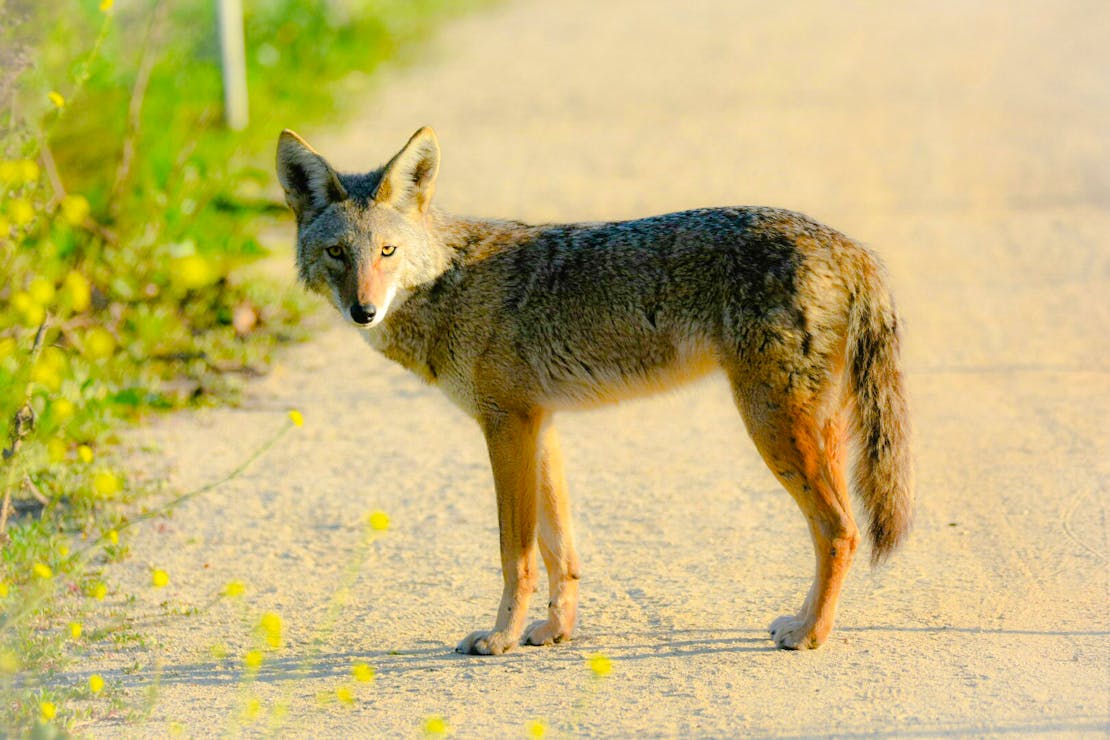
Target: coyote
{"type": "Point", "coordinates": [514, 322]}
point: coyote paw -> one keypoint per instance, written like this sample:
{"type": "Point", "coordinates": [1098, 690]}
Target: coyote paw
{"type": "Point", "coordinates": [486, 642]}
{"type": "Point", "coordinates": [794, 633]}
{"type": "Point", "coordinates": [545, 632]}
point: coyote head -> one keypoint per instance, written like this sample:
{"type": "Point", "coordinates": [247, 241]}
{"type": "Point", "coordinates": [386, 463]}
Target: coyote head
{"type": "Point", "coordinates": [362, 240]}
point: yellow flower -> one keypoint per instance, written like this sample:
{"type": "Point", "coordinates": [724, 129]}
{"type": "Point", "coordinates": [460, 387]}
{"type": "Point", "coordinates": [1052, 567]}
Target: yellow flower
{"type": "Point", "coordinates": [5, 589]}
{"type": "Point", "coordinates": [75, 209]}
{"type": "Point", "coordinates": [7, 347]}
{"type": "Point", "coordinates": [62, 550]}
{"type": "Point", "coordinates": [99, 343]}
{"type": "Point", "coordinates": [251, 710]}
{"type": "Point", "coordinates": [42, 570]}
{"type": "Point", "coordinates": [96, 683]}
{"type": "Point", "coordinates": [535, 728]}
{"type": "Point", "coordinates": [105, 483]}
{"type": "Point", "coordinates": [271, 628]}
{"type": "Point", "coordinates": [75, 629]}
{"type": "Point", "coordinates": [378, 520]}
{"type": "Point", "coordinates": [345, 695]}
{"type": "Point", "coordinates": [47, 710]}
{"type": "Point", "coordinates": [44, 373]}
{"type": "Point", "coordinates": [5, 226]}
{"type": "Point", "coordinates": [234, 589]}
{"type": "Point", "coordinates": [77, 291]}
{"type": "Point", "coordinates": [9, 661]}
{"type": "Point", "coordinates": [113, 536]}
{"type": "Point", "coordinates": [99, 591]}
{"type": "Point", "coordinates": [191, 272]}
{"type": "Point", "coordinates": [9, 171]}
{"type": "Point", "coordinates": [85, 454]}
{"type": "Point", "coordinates": [253, 660]}
{"type": "Point", "coordinates": [600, 664]}
{"type": "Point", "coordinates": [159, 578]}
{"type": "Point", "coordinates": [56, 98]}
{"type": "Point", "coordinates": [362, 672]}
{"type": "Point", "coordinates": [20, 211]}
{"type": "Point", "coordinates": [28, 170]}
{"type": "Point", "coordinates": [435, 726]}
{"type": "Point", "coordinates": [41, 290]}
{"type": "Point", "coordinates": [105, 5]}
{"type": "Point", "coordinates": [296, 417]}
{"type": "Point", "coordinates": [62, 409]}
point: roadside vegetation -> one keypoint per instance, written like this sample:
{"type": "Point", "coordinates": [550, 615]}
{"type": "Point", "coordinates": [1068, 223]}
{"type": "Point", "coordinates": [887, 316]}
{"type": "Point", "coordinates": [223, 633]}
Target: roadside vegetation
{"type": "Point", "coordinates": [129, 216]}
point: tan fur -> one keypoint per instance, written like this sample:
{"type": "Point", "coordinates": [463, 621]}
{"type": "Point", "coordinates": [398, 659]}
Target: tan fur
{"type": "Point", "coordinates": [514, 322]}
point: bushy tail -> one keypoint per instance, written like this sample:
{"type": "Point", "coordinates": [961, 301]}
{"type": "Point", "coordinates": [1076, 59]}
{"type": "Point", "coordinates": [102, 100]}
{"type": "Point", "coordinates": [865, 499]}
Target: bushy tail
{"type": "Point", "coordinates": [883, 470]}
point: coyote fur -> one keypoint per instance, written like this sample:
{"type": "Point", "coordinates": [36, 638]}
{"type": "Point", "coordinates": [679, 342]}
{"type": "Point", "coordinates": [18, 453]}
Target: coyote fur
{"type": "Point", "coordinates": [514, 322]}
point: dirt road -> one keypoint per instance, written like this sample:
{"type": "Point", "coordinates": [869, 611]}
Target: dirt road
{"type": "Point", "coordinates": [967, 142]}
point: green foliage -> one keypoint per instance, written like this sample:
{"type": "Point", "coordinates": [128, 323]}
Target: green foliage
{"type": "Point", "coordinates": [128, 217]}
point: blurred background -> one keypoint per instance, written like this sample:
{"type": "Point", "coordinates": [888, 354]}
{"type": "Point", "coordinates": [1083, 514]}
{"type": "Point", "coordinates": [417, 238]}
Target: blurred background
{"type": "Point", "coordinates": [145, 252]}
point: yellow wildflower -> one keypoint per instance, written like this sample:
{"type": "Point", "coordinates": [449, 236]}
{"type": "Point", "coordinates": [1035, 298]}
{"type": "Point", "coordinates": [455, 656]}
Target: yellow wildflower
{"type": "Point", "coordinates": [62, 550]}
{"type": "Point", "coordinates": [28, 170]}
{"type": "Point", "coordinates": [9, 171]}
{"type": "Point", "coordinates": [77, 291]}
{"type": "Point", "coordinates": [45, 373]}
{"type": "Point", "coordinates": [62, 409]}
{"type": "Point", "coordinates": [99, 591]}
{"type": "Point", "coordinates": [113, 536]}
{"type": "Point", "coordinates": [75, 629]}
{"type": "Point", "coordinates": [42, 570]}
{"type": "Point", "coordinates": [74, 209]}
{"type": "Point", "coordinates": [345, 695]}
{"type": "Point", "coordinates": [234, 589]}
{"type": "Point", "coordinates": [362, 672]}
{"type": "Point", "coordinates": [85, 454]}
{"type": "Point", "coordinates": [99, 343]}
{"type": "Point", "coordinates": [105, 5]}
{"type": "Point", "coordinates": [5, 589]}
{"type": "Point", "coordinates": [297, 418]}
{"type": "Point", "coordinates": [378, 520]}
{"type": "Point", "coordinates": [5, 226]}
{"type": "Point", "coordinates": [7, 347]}
{"type": "Point", "coordinates": [251, 710]}
{"type": "Point", "coordinates": [435, 726]}
{"type": "Point", "coordinates": [20, 211]}
{"type": "Point", "coordinates": [600, 664]}
{"type": "Point", "coordinates": [47, 710]}
{"type": "Point", "coordinates": [96, 683]}
{"type": "Point", "coordinates": [535, 728]}
{"type": "Point", "coordinates": [159, 578]}
{"type": "Point", "coordinates": [253, 660]}
{"type": "Point", "coordinates": [271, 628]}
{"type": "Point", "coordinates": [9, 661]}
{"type": "Point", "coordinates": [191, 272]}
{"type": "Point", "coordinates": [56, 98]}
{"type": "Point", "coordinates": [41, 291]}
{"type": "Point", "coordinates": [105, 483]}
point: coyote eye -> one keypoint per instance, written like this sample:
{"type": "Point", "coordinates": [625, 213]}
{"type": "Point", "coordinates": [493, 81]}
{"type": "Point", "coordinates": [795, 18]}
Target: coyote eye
{"type": "Point", "coordinates": [388, 251]}
{"type": "Point", "coordinates": [335, 252]}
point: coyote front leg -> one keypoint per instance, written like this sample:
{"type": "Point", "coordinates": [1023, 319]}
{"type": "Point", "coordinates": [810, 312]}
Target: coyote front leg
{"type": "Point", "coordinates": [513, 452]}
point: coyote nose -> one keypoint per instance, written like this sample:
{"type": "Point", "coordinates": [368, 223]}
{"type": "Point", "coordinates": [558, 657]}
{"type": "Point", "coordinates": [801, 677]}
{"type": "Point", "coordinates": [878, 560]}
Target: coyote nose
{"type": "Point", "coordinates": [362, 313]}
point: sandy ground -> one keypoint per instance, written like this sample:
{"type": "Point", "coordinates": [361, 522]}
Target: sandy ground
{"type": "Point", "coordinates": [967, 142]}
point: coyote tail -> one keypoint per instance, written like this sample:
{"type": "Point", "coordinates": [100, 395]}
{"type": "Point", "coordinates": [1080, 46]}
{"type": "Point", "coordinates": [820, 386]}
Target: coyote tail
{"type": "Point", "coordinates": [883, 470]}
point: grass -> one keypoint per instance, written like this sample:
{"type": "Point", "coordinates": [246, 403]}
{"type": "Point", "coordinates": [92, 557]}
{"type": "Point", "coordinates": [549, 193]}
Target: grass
{"type": "Point", "coordinates": [128, 217]}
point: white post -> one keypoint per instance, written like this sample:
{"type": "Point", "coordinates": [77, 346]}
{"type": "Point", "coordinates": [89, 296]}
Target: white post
{"type": "Point", "coordinates": [233, 59]}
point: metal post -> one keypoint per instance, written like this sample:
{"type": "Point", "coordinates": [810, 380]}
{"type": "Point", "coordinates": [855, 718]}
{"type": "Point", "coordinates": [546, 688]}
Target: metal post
{"type": "Point", "coordinates": [233, 60]}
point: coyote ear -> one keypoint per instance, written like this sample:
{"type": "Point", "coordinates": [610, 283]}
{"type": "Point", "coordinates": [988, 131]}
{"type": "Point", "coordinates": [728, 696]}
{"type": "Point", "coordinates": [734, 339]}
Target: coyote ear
{"type": "Point", "coordinates": [310, 183]}
{"type": "Point", "coordinates": [409, 180]}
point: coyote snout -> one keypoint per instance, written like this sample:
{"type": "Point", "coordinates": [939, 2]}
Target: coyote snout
{"type": "Point", "coordinates": [515, 322]}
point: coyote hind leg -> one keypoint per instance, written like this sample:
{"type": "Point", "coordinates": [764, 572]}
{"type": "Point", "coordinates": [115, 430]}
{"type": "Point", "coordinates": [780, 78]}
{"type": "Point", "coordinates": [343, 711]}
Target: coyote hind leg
{"type": "Point", "coordinates": [556, 540]}
{"type": "Point", "coordinates": [804, 446]}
